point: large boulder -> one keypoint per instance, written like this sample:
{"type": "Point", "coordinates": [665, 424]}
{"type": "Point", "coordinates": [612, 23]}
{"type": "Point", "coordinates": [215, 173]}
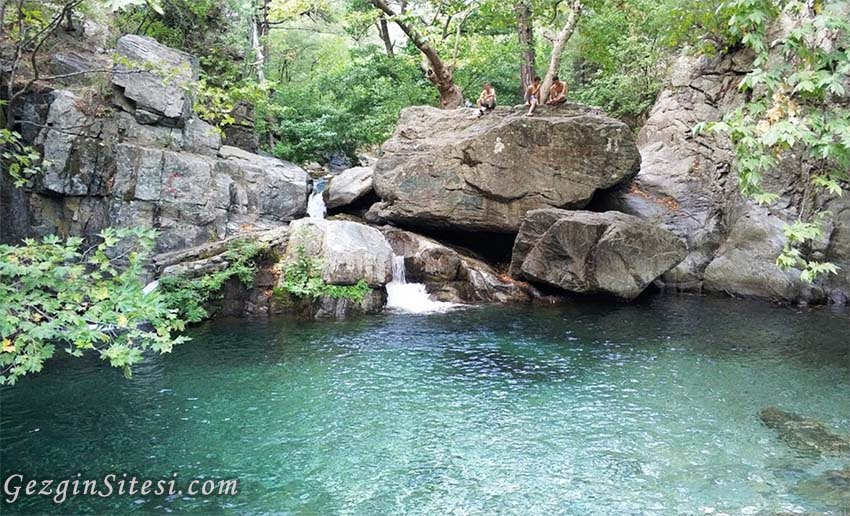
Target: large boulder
{"type": "Point", "coordinates": [349, 186]}
{"type": "Point", "coordinates": [348, 251]}
{"type": "Point", "coordinates": [153, 81]}
{"type": "Point", "coordinates": [745, 264]}
{"type": "Point", "coordinates": [607, 253]}
{"type": "Point", "coordinates": [453, 169]}
{"type": "Point", "coordinates": [113, 171]}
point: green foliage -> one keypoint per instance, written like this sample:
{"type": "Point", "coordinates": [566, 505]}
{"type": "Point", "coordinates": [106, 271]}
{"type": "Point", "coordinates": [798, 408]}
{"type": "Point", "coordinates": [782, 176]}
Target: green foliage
{"type": "Point", "coordinates": [189, 295]}
{"type": "Point", "coordinates": [58, 293]}
{"type": "Point", "coordinates": [623, 49]}
{"type": "Point", "coordinates": [302, 278]}
{"type": "Point", "coordinates": [792, 109]}
{"type": "Point", "coordinates": [347, 104]}
{"type": "Point", "coordinates": [20, 160]}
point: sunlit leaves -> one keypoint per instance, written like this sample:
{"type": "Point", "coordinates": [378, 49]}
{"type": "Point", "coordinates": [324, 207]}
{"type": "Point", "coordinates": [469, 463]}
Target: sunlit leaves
{"type": "Point", "coordinates": [55, 292]}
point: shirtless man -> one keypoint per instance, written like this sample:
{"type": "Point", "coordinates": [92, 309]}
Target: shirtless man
{"type": "Point", "coordinates": [487, 99]}
{"type": "Point", "coordinates": [532, 95]}
{"type": "Point", "coordinates": [557, 93]}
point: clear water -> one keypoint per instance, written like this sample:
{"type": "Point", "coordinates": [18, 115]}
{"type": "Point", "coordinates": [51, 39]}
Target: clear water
{"type": "Point", "coordinates": [582, 409]}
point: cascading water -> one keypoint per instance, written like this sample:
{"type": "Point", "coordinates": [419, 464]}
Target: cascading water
{"type": "Point", "coordinates": [316, 204]}
{"type": "Point", "coordinates": [411, 297]}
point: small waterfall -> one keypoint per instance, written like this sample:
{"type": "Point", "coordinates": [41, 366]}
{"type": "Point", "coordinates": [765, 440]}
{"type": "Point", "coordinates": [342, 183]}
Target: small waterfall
{"type": "Point", "coordinates": [316, 204]}
{"type": "Point", "coordinates": [411, 297]}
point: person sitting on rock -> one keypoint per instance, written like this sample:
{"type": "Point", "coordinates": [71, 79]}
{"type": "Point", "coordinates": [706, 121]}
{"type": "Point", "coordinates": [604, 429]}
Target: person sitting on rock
{"type": "Point", "coordinates": [557, 93]}
{"type": "Point", "coordinates": [487, 99]}
{"type": "Point", "coordinates": [532, 95]}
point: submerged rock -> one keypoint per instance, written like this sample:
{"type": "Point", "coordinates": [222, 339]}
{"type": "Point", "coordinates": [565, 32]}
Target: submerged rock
{"type": "Point", "coordinates": [452, 169]}
{"type": "Point", "coordinates": [802, 433]}
{"type": "Point", "coordinates": [349, 186]}
{"type": "Point", "coordinates": [607, 253]}
{"type": "Point", "coordinates": [831, 488]}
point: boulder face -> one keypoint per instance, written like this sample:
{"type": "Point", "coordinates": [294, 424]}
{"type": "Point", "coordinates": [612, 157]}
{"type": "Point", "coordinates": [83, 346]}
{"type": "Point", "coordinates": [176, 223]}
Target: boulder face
{"type": "Point", "coordinates": [607, 253]}
{"type": "Point", "coordinates": [452, 169]}
{"type": "Point", "coordinates": [349, 186]}
{"type": "Point", "coordinates": [152, 81]}
{"type": "Point", "coordinates": [348, 251]}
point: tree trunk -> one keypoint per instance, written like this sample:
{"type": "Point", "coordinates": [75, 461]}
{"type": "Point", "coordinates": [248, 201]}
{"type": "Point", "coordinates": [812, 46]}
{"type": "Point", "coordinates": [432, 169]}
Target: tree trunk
{"type": "Point", "coordinates": [441, 75]}
{"type": "Point", "coordinates": [558, 49]}
{"type": "Point", "coordinates": [526, 43]}
{"type": "Point", "coordinates": [384, 32]}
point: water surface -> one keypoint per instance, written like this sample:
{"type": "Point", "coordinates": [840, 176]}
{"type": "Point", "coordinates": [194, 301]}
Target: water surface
{"type": "Point", "coordinates": [580, 409]}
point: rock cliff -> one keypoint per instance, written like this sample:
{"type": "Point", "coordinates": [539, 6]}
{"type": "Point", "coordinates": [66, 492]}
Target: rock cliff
{"type": "Point", "coordinates": [148, 162]}
{"type": "Point", "coordinates": [688, 185]}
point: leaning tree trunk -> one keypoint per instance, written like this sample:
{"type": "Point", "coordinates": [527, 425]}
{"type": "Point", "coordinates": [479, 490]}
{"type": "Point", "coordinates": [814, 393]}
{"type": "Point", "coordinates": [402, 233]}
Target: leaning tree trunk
{"type": "Point", "coordinates": [384, 33]}
{"type": "Point", "coordinates": [558, 49]}
{"type": "Point", "coordinates": [526, 43]}
{"type": "Point", "coordinates": [441, 75]}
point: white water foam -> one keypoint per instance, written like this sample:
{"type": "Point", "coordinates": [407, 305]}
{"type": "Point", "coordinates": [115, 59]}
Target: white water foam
{"type": "Point", "coordinates": [316, 204]}
{"type": "Point", "coordinates": [411, 297]}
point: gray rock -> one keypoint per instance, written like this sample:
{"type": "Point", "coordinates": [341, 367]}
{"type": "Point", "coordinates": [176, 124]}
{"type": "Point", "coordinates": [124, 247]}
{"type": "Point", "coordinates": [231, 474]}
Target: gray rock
{"type": "Point", "coordinates": [264, 187]}
{"type": "Point", "coordinates": [70, 160]}
{"type": "Point", "coordinates": [607, 253]}
{"type": "Point", "coordinates": [348, 251]}
{"type": "Point", "coordinates": [200, 137]}
{"type": "Point", "coordinates": [802, 433]}
{"type": "Point", "coordinates": [154, 79]}
{"type": "Point", "coordinates": [349, 186]}
{"type": "Point", "coordinates": [452, 169]}
{"type": "Point", "coordinates": [73, 61]}
{"type": "Point", "coordinates": [688, 184]}
{"type": "Point", "coordinates": [744, 265]}
{"type": "Point", "coordinates": [327, 307]}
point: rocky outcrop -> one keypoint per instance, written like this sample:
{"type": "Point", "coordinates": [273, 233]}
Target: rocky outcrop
{"type": "Point", "coordinates": [153, 81]}
{"type": "Point", "coordinates": [688, 185]}
{"type": "Point", "coordinates": [349, 186]}
{"type": "Point", "coordinates": [607, 253]}
{"type": "Point", "coordinates": [805, 434]}
{"type": "Point", "coordinates": [452, 169]}
{"type": "Point", "coordinates": [452, 276]}
{"type": "Point", "coordinates": [105, 168]}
